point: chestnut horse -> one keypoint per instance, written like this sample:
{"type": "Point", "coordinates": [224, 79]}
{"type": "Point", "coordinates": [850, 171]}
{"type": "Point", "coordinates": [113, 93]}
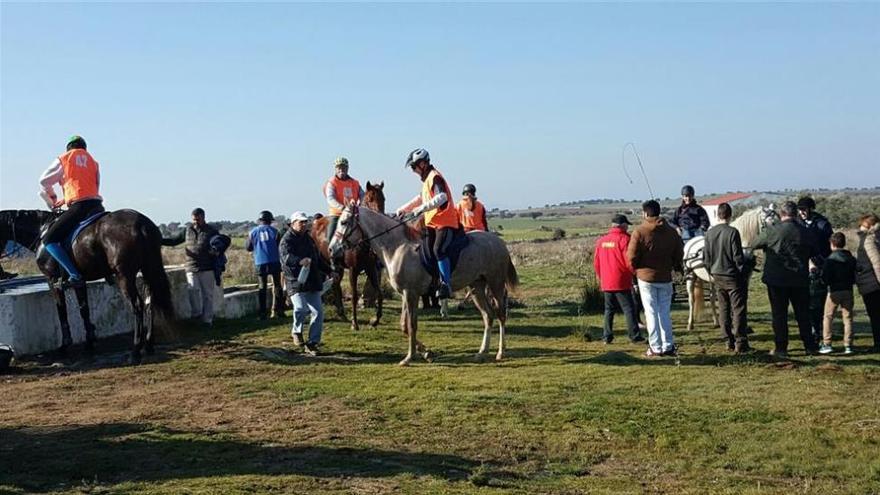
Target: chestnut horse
{"type": "Point", "coordinates": [361, 259]}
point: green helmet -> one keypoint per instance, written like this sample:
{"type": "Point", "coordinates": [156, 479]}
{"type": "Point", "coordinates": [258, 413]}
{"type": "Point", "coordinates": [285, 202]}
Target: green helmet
{"type": "Point", "coordinates": [341, 162]}
{"type": "Point", "coordinates": [76, 141]}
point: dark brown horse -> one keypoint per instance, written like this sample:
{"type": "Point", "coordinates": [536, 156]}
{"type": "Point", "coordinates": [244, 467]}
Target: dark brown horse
{"type": "Point", "coordinates": [115, 247]}
{"type": "Point", "coordinates": [356, 260]}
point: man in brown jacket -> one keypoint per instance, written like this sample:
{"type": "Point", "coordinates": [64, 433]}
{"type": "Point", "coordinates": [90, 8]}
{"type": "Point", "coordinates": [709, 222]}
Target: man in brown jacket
{"type": "Point", "coordinates": [655, 249]}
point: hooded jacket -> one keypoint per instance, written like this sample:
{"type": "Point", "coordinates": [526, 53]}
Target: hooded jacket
{"type": "Point", "coordinates": [654, 250]}
{"type": "Point", "coordinates": [868, 261]}
{"type": "Point", "coordinates": [610, 261]}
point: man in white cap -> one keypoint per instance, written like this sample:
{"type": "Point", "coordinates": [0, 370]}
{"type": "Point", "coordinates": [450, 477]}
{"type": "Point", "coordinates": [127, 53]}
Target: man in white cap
{"type": "Point", "coordinates": [305, 271]}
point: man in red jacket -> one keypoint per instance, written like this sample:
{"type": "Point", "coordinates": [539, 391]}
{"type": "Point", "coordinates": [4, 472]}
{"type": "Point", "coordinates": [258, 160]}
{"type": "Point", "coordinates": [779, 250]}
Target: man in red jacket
{"type": "Point", "coordinates": [616, 277]}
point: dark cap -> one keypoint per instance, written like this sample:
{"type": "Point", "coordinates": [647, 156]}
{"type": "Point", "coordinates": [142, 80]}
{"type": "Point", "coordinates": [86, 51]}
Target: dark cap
{"type": "Point", "coordinates": [620, 220]}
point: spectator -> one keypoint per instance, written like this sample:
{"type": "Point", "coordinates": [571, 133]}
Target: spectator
{"type": "Point", "coordinates": [616, 278]}
{"type": "Point", "coordinates": [787, 248]}
{"type": "Point", "coordinates": [200, 265]}
{"type": "Point", "coordinates": [299, 254]}
{"type": "Point", "coordinates": [868, 272]}
{"type": "Point", "coordinates": [820, 236]}
{"type": "Point", "coordinates": [839, 274]}
{"type": "Point", "coordinates": [724, 259]}
{"type": "Point", "coordinates": [655, 249]}
{"type": "Point", "coordinates": [263, 241]}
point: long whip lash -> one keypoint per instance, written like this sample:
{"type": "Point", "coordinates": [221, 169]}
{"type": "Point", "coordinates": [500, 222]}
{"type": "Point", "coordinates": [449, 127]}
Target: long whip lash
{"type": "Point", "coordinates": [641, 167]}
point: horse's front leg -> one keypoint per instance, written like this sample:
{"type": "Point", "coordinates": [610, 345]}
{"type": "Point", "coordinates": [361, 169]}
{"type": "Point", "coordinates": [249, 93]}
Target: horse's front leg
{"type": "Point", "coordinates": [410, 318]}
{"type": "Point", "coordinates": [374, 278]}
{"type": "Point", "coordinates": [61, 307]}
{"type": "Point", "coordinates": [82, 300]}
{"type": "Point", "coordinates": [690, 291]}
{"type": "Point", "coordinates": [352, 280]}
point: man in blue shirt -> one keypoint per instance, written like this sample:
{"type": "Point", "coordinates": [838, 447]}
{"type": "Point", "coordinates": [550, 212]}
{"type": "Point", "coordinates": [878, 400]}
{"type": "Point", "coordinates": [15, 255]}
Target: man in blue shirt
{"type": "Point", "coordinates": [263, 242]}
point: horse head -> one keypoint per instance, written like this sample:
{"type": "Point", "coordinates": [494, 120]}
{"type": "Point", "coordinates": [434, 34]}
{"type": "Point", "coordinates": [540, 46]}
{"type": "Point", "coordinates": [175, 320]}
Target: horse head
{"type": "Point", "coordinates": [769, 217]}
{"type": "Point", "coordinates": [24, 227]}
{"type": "Point", "coordinates": [348, 234]}
{"type": "Point", "coordinates": [374, 196]}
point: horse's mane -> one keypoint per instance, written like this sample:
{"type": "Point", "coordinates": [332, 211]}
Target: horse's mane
{"type": "Point", "coordinates": [749, 225]}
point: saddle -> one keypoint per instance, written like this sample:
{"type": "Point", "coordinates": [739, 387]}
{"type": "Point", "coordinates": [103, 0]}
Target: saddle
{"type": "Point", "coordinates": [82, 225]}
{"type": "Point", "coordinates": [456, 246]}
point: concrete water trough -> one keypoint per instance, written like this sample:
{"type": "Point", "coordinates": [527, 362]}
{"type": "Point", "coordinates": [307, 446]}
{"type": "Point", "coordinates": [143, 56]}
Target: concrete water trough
{"type": "Point", "coordinates": [29, 320]}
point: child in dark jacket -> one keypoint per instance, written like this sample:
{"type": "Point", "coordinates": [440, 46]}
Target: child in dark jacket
{"type": "Point", "coordinates": [839, 274]}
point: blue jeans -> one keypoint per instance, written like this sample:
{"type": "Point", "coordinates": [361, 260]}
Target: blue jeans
{"type": "Point", "coordinates": [657, 300]}
{"type": "Point", "coordinates": [305, 303]}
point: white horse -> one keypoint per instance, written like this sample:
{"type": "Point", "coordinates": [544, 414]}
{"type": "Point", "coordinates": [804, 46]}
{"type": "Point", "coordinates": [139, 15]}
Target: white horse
{"type": "Point", "coordinates": [484, 265]}
{"type": "Point", "coordinates": [749, 225]}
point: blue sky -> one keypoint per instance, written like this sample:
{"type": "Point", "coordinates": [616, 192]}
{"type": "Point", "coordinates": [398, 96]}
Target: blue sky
{"type": "Point", "coordinates": [238, 108]}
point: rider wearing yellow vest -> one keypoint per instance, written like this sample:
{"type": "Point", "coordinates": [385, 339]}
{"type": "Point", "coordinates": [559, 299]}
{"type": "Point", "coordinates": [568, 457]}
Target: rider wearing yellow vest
{"type": "Point", "coordinates": [471, 212]}
{"type": "Point", "coordinates": [79, 177]}
{"type": "Point", "coordinates": [441, 217]}
{"type": "Point", "coordinates": [340, 191]}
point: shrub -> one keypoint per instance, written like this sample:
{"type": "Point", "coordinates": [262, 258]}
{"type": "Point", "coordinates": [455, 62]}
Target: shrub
{"type": "Point", "coordinates": [558, 234]}
{"type": "Point", "coordinates": [592, 299]}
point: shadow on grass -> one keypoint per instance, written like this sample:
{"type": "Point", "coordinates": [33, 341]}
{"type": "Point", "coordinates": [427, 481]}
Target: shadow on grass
{"type": "Point", "coordinates": [48, 459]}
{"type": "Point", "coordinates": [619, 358]}
{"type": "Point", "coordinates": [115, 351]}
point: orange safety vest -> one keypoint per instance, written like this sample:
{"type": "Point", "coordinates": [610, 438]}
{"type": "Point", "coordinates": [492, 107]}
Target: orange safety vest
{"type": "Point", "coordinates": [472, 219]}
{"type": "Point", "coordinates": [445, 216]}
{"type": "Point", "coordinates": [80, 176]}
{"type": "Point", "coordinates": [346, 190]}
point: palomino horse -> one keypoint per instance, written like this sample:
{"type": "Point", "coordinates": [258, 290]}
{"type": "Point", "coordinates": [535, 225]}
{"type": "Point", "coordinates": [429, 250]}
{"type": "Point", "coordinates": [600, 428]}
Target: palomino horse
{"type": "Point", "coordinates": [116, 246]}
{"type": "Point", "coordinates": [357, 260]}
{"type": "Point", "coordinates": [749, 225]}
{"type": "Point", "coordinates": [484, 265]}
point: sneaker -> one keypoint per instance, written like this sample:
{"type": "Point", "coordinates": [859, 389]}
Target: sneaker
{"type": "Point", "coordinates": [672, 351]}
{"type": "Point", "coordinates": [311, 349]}
{"type": "Point", "coordinates": [848, 350]}
{"type": "Point", "coordinates": [637, 339]}
{"type": "Point", "coordinates": [650, 353]}
{"type": "Point", "coordinates": [608, 340]}
{"type": "Point", "coordinates": [443, 291]}
{"type": "Point", "coordinates": [298, 340]}
{"type": "Point", "coordinates": [825, 349]}
{"type": "Point", "coordinates": [779, 354]}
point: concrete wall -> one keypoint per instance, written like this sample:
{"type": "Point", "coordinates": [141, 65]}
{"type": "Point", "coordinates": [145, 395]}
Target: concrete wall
{"type": "Point", "coordinates": [29, 320]}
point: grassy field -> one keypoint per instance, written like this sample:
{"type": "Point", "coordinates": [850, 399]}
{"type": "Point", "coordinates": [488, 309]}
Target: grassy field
{"type": "Point", "coordinates": [231, 410]}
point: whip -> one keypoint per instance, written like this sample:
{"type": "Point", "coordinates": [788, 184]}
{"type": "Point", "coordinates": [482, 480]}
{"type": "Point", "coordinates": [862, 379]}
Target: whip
{"type": "Point", "coordinates": [641, 167]}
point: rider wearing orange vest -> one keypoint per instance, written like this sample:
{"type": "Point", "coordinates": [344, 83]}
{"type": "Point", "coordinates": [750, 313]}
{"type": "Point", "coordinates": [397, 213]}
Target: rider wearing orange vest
{"type": "Point", "coordinates": [441, 216]}
{"type": "Point", "coordinates": [79, 177]}
{"type": "Point", "coordinates": [340, 191]}
{"type": "Point", "coordinates": [471, 213]}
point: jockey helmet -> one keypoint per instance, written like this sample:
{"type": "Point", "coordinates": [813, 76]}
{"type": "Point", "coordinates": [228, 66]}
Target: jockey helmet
{"type": "Point", "coordinates": [806, 203]}
{"type": "Point", "coordinates": [76, 142]}
{"type": "Point", "coordinates": [341, 162]}
{"type": "Point", "coordinates": [417, 155]}
{"type": "Point", "coordinates": [687, 190]}
{"type": "Point", "coordinates": [469, 189]}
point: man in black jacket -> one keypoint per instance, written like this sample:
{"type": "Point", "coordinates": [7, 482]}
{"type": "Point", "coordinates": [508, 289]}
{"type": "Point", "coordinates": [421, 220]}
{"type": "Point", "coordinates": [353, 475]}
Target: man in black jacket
{"type": "Point", "coordinates": [788, 251]}
{"type": "Point", "coordinates": [304, 273]}
{"type": "Point", "coordinates": [820, 235]}
{"type": "Point", "coordinates": [723, 256]}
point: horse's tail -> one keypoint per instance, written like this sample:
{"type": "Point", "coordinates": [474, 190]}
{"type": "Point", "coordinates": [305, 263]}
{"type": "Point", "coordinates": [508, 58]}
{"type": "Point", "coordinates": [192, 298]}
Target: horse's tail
{"type": "Point", "coordinates": [512, 281]}
{"type": "Point", "coordinates": [153, 271]}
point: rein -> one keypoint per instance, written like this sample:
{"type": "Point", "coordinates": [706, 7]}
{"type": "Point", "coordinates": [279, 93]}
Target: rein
{"type": "Point", "coordinates": [366, 240]}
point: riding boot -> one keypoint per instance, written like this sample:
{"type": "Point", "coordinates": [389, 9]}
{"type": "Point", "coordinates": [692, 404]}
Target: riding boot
{"type": "Point", "coordinates": [63, 259]}
{"type": "Point", "coordinates": [445, 268]}
{"type": "Point", "coordinates": [261, 297]}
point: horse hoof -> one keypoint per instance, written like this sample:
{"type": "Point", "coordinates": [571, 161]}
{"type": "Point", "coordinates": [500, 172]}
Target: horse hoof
{"type": "Point", "coordinates": [499, 357]}
{"type": "Point", "coordinates": [404, 362]}
{"type": "Point", "coordinates": [428, 356]}
{"type": "Point", "coordinates": [355, 327]}
{"type": "Point", "coordinates": [374, 322]}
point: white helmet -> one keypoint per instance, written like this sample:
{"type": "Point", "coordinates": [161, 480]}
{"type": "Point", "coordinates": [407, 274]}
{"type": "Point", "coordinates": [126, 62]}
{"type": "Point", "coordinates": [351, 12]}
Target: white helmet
{"type": "Point", "coordinates": [416, 156]}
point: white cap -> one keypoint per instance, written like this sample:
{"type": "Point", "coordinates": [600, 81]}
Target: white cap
{"type": "Point", "coordinates": [298, 215]}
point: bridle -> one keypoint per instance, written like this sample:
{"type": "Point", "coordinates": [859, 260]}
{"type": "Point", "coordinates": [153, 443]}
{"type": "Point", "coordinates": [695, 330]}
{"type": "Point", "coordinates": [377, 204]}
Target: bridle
{"type": "Point", "coordinates": [345, 238]}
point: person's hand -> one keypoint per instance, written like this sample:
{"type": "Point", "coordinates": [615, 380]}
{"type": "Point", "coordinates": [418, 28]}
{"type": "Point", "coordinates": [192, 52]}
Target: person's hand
{"type": "Point", "coordinates": [400, 213]}
{"type": "Point", "coordinates": [305, 262]}
{"type": "Point", "coordinates": [57, 204]}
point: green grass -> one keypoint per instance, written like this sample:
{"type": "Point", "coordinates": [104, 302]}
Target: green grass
{"type": "Point", "coordinates": [231, 411]}
{"type": "Point", "coordinates": [526, 229]}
